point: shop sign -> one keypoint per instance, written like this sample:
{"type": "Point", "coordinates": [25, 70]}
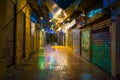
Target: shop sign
{"type": "Point", "coordinates": [80, 22]}
{"type": "Point", "coordinates": [94, 18]}
{"type": "Point", "coordinates": [73, 22]}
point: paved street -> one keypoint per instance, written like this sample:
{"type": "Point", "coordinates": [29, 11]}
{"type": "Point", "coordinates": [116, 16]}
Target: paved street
{"type": "Point", "coordinates": [56, 63]}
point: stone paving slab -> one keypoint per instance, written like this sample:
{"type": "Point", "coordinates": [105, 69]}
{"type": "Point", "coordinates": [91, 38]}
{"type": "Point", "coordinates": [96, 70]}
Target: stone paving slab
{"type": "Point", "coordinates": [56, 63]}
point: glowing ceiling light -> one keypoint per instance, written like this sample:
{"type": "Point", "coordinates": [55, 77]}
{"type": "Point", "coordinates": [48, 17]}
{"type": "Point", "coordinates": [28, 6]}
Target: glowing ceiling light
{"type": "Point", "coordinates": [59, 29]}
{"type": "Point", "coordinates": [64, 14]}
{"type": "Point", "coordinates": [59, 12]}
{"type": "Point", "coordinates": [43, 30]}
{"type": "Point", "coordinates": [68, 19]}
{"type": "Point", "coordinates": [61, 20]}
{"type": "Point", "coordinates": [54, 6]}
{"type": "Point", "coordinates": [50, 20]}
{"type": "Point", "coordinates": [41, 18]}
{"type": "Point", "coordinates": [82, 14]}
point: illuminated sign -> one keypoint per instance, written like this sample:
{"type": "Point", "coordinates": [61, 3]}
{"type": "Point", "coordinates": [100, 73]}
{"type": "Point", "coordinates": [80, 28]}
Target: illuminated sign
{"type": "Point", "coordinates": [73, 23]}
{"type": "Point", "coordinates": [81, 21]}
{"type": "Point", "coordinates": [94, 12]}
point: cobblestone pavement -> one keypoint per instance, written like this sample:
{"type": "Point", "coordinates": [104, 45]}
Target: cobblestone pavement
{"type": "Point", "coordinates": [56, 63]}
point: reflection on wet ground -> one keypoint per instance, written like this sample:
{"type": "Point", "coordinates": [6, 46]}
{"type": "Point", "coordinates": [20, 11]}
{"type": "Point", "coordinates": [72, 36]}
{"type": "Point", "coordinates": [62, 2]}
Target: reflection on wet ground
{"type": "Point", "coordinates": [56, 63]}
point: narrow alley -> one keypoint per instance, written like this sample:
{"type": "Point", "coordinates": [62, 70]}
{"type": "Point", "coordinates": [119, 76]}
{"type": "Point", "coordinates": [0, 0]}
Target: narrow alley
{"type": "Point", "coordinates": [59, 39]}
{"type": "Point", "coordinates": [56, 63]}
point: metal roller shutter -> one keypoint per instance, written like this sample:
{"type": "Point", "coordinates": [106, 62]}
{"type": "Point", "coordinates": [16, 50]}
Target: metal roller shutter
{"type": "Point", "coordinates": [101, 45]}
{"type": "Point", "coordinates": [76, 40]}
{"type": "Point", "coordinates": [85, 43]}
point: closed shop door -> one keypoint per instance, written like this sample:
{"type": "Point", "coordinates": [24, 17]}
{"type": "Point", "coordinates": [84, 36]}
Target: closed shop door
{"type": "Point", "coordinates": [101, 45]}
{"type": "Point", "coordinates": [7, 27]}
{"type": "Point", "coordinates": [22, 35]}
{"type": "Point", "coordinates": [70, 40]}
{"type": "Point", "coordinates": [85, 43]}
{"type": "Point", "coordinates": [32, 37]}
{"type": "Point", "coordinates": [76, 40]}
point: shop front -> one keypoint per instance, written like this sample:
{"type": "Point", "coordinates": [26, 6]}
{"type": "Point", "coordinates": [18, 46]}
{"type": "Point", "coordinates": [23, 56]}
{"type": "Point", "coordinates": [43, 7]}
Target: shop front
{"type": "Point", "coordinates": [101, 45]}
{"type": "Point", "coordinates": [69, 40]}
{"type": "Point", "coordinates": [85, 43]}
{"type": "Point", "coordinates": [76, 40]}
{"type": "Point", "coordinates": [32, 37]}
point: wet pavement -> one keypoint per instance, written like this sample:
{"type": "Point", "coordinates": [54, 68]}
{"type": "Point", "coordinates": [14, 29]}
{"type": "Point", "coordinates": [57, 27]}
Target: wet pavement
{"type": "Point", "coordinates": [56, 63]}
